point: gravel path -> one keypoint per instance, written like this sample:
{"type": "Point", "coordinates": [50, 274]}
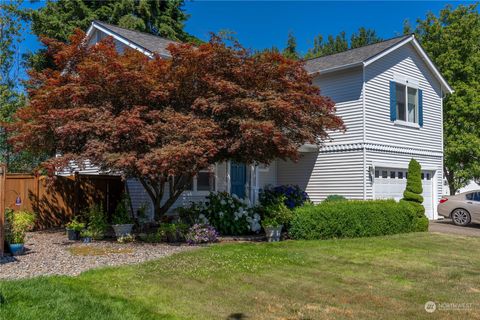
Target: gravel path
{"type": "Point", "coordinates": [50, 253]}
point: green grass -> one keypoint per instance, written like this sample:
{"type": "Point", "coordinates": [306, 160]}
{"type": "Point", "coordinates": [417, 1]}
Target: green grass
{"type": "Point", "coordinates": [371, 278]}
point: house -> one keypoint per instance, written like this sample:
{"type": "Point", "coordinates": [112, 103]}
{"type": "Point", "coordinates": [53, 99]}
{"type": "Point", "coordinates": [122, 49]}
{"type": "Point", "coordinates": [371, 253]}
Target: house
{"type": "Point", "coordinates": [389, 95]}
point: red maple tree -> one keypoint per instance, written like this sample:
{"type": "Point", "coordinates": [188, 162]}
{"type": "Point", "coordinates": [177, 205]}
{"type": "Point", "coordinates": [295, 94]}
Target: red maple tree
{"type": "Point", "coordinates": [163, 120]}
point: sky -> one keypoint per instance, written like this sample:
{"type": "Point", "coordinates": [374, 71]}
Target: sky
{"type": "Point", "coordinates": [263, 24]}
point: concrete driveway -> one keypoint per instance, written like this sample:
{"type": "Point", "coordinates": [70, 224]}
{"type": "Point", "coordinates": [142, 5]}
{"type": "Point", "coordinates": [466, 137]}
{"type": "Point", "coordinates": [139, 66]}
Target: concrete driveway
{"type": "Point", "coordinates": [447, 226]}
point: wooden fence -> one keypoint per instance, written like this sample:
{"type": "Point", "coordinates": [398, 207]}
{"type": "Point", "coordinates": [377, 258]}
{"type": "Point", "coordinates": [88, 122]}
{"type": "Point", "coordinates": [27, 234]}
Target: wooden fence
{"type": "Point", "coordinates": [56, 200]}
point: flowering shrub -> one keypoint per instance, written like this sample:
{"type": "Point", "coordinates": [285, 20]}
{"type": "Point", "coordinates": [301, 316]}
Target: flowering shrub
{"type": "Point", "coordinates": [201, 233]}
{"type": "Point", "coordinates": [294, 196]}
{"type": "Point", "coordinates": [17, 224]}
{"type": "Point", "coordinates": [227, 213]}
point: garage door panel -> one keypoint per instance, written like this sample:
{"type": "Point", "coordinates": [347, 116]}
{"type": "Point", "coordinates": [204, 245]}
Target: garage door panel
{"type": "Point", "coordinates": [390, 184]}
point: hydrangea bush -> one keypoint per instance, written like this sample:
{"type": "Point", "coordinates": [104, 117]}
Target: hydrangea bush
{"type": "Point", "coordinates": [227, 213]}
{"type": "Point", "coordinates": [201, 233]}
{"type": "Point", "coordinates": [292, 195]}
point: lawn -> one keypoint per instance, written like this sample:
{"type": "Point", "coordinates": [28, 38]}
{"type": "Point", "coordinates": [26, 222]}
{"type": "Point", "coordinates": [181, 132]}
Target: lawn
{"type": "Point", "coordinates": [372, 278]}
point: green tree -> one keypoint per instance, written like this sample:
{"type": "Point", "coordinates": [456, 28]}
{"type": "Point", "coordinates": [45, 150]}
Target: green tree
{"type": "Point", "coordinates": [452, 40]}
{"type": "Point", "coordinates": [11, 96]}
{"type": "Point", "coordinates": [363, 37]}
{"type": "Point", "coordinates": [58, 19]}
{"type": "Point", "coordinates": [290, 50]}
{"type": "Point", "coordinates": [413, 194]}
{"type": "Point", "coordinates": [339, 43]}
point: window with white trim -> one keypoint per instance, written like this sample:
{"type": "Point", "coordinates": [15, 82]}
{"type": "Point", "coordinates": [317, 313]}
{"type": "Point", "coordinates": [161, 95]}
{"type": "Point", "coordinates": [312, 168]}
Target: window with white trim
{"type": "Point", "coordinates": [407, 103]}
{"type": "Point", "coordinates": [204, 181]}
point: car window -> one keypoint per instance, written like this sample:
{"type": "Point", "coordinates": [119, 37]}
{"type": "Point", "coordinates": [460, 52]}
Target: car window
{"type": "Point", "coordinates": [475, 196]}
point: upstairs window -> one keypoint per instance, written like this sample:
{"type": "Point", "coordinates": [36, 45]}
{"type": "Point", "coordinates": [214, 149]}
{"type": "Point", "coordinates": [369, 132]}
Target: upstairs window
{"type": "Point", "coordinates": [406, 103]}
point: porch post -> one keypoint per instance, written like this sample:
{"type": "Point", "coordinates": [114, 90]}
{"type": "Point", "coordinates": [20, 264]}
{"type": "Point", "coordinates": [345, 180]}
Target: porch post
{"type": "Point", "coordinates": [227, 176]}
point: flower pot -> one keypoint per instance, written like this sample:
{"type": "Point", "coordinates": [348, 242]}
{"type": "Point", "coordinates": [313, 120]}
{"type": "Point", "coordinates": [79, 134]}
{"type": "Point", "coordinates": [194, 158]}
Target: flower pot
{"type": "Point", "coordinates": [73, 234]}
{"type": "Point", "coordinates": [273, 233]}
{"type": "Point", "coordinates": [87, 239]}
{"type": "Point", "coordinates": [122, 229]}
{"type": "Point", "coordinates": [16, 248]}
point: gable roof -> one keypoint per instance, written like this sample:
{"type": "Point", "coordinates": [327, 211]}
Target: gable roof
{"type": "Point", "coordinates": [350, 57]}
{"type": "Point", "coordinates": [366, 55]}
{"type": "Point", "coordinates": [148, 42]}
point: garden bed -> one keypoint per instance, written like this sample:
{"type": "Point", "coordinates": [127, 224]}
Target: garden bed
{"type": "Point", "coordinates": [50, 253]}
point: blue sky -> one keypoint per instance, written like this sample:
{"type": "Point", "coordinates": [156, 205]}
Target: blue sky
{"type": "Point", "coordinates": [263, 24]}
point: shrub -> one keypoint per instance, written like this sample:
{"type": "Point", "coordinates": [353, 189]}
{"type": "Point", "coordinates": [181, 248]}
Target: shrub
{"type": "Point", "coordinates": [97, 221]}
{"type": "Point", "coordinates": [172, 232]}
{"type": "Point", "coordinates": [292, 195]}
{"type": "Point", "coordinates": [413, 194]}
{"type": "Point", "coordinates": [335, 197]}
{"type": "Point", "coordinates": [226, 213]}
{"type": "Point", "coordinates": [277, 214]}
{"type": "Point", "coordinates": [201, 233]}
{"type": "Point", "coordinates": [17, 225]}
{"type": "Point", "coordinates": [122, 212]}
{"type": "Point", "coordinates": [75, 225]}
{"type": "Point", "coordinates": [348, 219]}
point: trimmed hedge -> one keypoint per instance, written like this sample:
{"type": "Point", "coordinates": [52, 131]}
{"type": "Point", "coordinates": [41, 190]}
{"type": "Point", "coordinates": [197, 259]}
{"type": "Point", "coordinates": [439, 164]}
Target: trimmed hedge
{"type": "Point", "coordinates": [350, 219]}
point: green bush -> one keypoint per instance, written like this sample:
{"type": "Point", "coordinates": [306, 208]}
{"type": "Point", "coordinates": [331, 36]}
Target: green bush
{"type": "Point", "coordinates": [349, 219]}
{"type": "Point", "coordinates": [97, 221]}
{"type": "Point", "coordinates": [122, 211]}
{"type": "Point", "coordinates": [413, 194]}
{"type": "Point", "coordinates": [17, 223]}
{"type": "Point", "coordinates": [335, 197]}
{"type": "Point", "coordinates": [414, 189]}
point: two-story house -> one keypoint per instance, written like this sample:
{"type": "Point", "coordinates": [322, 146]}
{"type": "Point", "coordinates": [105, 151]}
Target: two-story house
{"type": "Point", "coordinates": [389, 96]}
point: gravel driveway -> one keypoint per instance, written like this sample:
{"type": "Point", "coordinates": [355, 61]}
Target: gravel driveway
{"type": "Point", "coordinates": [49, 253]}
{"type": "Point", "coordinates": [447, 226]}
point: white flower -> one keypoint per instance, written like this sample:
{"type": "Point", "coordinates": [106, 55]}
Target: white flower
{"type": "Point", "coordinates": [235, 196]}
{"type": "Point", "coordinates": [221, 213]}
{"type": "Point", "coordinates": [222, 202]}
{"type": "Point", "coordinates": [255, 226]}
{"type": "Point", "coordinates": [256, 217]}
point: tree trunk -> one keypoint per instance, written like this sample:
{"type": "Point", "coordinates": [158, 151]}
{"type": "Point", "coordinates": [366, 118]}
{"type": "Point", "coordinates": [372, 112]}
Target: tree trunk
{"type": "Point", "coordinates": [156, 192]}
{"type": "Point", "coordinates": [451, 181]}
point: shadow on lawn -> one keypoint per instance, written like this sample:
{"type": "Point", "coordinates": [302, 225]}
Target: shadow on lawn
{"type": "Point", "coordinates": [237, 316]}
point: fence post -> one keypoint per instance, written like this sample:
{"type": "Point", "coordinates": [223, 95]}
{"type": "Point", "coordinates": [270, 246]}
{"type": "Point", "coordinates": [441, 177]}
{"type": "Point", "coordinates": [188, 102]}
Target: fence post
{"type": "Point", "coordinates": [3, 173]}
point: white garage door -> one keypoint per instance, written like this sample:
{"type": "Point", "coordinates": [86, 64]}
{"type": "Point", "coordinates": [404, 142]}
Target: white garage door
{"type": "Point", "coordinates": [390, 184]}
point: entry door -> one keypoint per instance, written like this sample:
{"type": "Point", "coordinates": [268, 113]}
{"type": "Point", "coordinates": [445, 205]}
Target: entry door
{"type": "Point", "coordinates": [238, 179]}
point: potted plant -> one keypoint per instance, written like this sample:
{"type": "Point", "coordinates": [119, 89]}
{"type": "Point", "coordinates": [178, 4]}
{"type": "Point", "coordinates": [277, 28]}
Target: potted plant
{"type": "Point", "coordinates": [276, 216]}
{"type": "Point", "coordinates": [17, 225]}
{"type": "Point", "coordinates": [273, 229]}
{"type": "Point", "coordinates": [74, 228]}
{"type": "Point", "coordinates": [86, 235]}
{"type": "Point", "coordinates": [122, 220]}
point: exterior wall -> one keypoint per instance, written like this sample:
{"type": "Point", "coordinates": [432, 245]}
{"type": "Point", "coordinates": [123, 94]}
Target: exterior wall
{"type": "Point", "coordinates": [139, 195]}
{"type": "Point", "coordinates": [325, 173]}
{"type": "Point", "coordinates": [379, 128]}
{"type": "Point", "coordinates": [268, 177]}
{"type": "Point", "coordinates": [345, 89]}
{"type": "Point", "coordinates": [98, 36]}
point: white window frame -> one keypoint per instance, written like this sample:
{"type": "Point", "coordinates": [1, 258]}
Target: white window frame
{"type": "Point", "coordinates": [408, 83]}
{"type": "Point", "coordinates": [195, 190]}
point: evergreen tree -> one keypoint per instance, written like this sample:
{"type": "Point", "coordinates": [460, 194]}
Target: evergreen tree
{"type": "Point", "coordinates": [11, 95]}
{"type": "Point", "coordinates": [339, 43]}
{"type": "Point", "coordinates": [58, 19]}
{"type": "Point", "coordinates": [290, 50]}
{"type": "Point", "coordinates": [363, 37]}
{"type": "Point", "coordinates": [452, 40]}
{"type": "Point", "coordinates": [413, 194]}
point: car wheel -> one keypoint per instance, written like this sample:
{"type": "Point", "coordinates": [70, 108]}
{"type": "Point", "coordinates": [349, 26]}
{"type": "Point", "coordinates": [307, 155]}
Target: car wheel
{"type": "Point", "coordinates": [461, 217]}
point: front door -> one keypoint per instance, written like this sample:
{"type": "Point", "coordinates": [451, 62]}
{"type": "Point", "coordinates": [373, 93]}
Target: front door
{"type": "Point", "coordinates": [238, 179]}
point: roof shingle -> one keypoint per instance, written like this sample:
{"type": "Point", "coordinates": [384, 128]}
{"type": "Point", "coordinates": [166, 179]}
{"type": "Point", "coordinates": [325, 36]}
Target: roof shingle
{"type": "Point", "coordinates": [350, 57]}
{"type": "Point", "coordinates": [152, 43]}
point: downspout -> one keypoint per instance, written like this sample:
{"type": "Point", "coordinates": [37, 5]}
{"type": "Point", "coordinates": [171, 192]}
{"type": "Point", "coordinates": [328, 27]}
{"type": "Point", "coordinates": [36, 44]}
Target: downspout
{"type": "Point", "coordinates": [364, 148]}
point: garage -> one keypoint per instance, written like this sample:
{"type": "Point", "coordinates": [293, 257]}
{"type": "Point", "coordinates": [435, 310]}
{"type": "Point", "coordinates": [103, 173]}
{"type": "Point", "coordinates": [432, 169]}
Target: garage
{"type": "Point", "coordinates": [390, 183]}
